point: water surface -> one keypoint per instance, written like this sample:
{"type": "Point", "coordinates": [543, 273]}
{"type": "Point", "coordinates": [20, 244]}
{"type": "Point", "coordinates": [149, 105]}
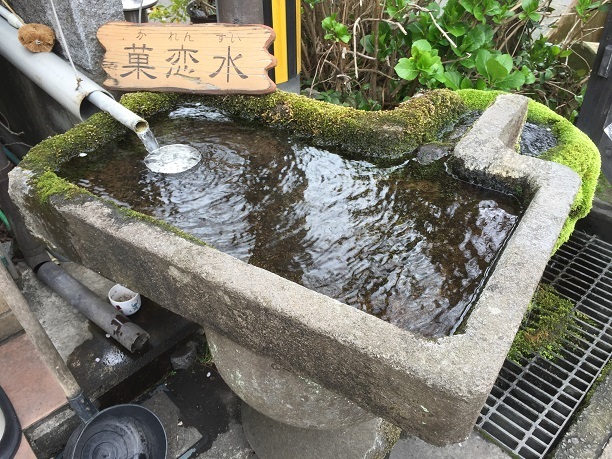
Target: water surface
{"type": "Point", "coordinates": [409, 244]}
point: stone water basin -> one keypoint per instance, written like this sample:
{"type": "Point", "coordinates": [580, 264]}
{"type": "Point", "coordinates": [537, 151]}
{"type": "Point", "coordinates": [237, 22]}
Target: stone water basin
{"type": "Point", "coordinates": [303, 358]}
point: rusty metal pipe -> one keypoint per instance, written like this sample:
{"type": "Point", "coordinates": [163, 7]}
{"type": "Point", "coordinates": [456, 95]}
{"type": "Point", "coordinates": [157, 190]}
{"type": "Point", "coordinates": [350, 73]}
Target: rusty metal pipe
{"type": "Point", "coordinates": [103, 314]}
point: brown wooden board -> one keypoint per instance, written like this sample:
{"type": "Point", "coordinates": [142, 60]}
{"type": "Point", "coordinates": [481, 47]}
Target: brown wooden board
{"type": "Point", "coordinates": [196, 58]}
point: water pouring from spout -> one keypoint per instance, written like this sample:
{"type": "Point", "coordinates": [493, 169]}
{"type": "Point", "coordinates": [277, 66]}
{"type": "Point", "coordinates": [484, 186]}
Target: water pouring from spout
{"type": "Point", "coordinates": [148, 140]}
{"type": "Point", "coordinates": [169, 159]}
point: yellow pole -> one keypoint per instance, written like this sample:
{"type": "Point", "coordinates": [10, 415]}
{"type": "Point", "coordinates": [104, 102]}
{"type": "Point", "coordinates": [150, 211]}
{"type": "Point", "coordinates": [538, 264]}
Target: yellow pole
{"type": "Point", "coordinates": [279, 21]}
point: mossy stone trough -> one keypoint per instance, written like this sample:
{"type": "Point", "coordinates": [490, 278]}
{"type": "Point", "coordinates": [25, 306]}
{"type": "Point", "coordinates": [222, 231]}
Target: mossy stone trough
{"type": "Point", "coordinates": [363, 366]}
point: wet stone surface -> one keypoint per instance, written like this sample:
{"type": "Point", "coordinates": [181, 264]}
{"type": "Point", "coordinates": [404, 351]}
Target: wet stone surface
{"type": "Point", "coordinates": [204, 413]}
{"type": "Point", "coordinates": [101, 364]}
{"type": "Point", "coordinates": [409, 243]}
{"type": "Point", "coordinates": [535, 140]}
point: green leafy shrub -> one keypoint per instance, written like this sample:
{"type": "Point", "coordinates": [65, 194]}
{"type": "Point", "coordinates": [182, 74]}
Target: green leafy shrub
{"type": "Point", "coordinates": [391, 49]}
{"type": "Point", "coordinates": [336, 31]}
{"type": "Point", "coordinates": [176, 11]}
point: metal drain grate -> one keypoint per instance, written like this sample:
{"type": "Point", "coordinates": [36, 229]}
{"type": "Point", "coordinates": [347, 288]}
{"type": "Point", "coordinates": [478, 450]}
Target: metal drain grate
{"type": "Point", "coordinates": [531, 403]}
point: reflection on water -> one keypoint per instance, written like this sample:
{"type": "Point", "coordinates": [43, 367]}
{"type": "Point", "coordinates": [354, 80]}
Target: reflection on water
{"type": "Point", "coordinates": [408, 244]}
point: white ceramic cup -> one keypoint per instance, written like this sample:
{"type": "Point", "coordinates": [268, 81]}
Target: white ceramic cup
{"type": "Point", "coordinates": [124, 299]}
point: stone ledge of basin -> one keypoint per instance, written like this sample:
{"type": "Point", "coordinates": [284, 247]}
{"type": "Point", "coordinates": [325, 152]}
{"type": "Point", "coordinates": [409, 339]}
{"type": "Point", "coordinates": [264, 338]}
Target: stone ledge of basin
{"type": "Point", "coordinates": [551, 189]}
{"type": "Point", "coordinates": [431, 388]}
{"type": "Point", "coordinates": [574, 150]}
{"type": "Point", "coordinates": [488, 151]}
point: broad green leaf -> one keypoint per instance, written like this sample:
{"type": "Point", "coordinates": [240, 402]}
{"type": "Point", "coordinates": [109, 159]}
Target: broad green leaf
{"type": "Point", "coordinates": [392, 11]}
{"type": "Point", "coordinates": [529, 76]}
{"type": "Point", "coordinates": [342, 32]}
{"type": "Point", "coordinates": [481, 62]}
{"type": "Point", "coordinates": [328, 22]}
{"type": "Point", "coordinates": [535, 17]}
{"type": "Point", "coordinates": [420, 46]}
{"type": "Point", "coordinates": [496, 71]}
{"type": "Point", "coordinates": [434, 7]}
{"type": "Point", "coordinates": [368, 44]}
{"type": "Point", "coordinates": [457, 29]}
{"type": "Point", "coordinates": [514, 81]}
{"type": "Point", "coordinates": [466, 83]}
{"type": "Point", "coordinates": [405, 69]}
{"type": "Point", "coordinates": [427, 62]}
{"type": "Point", "coordinates": [480, 84]}
{"type": "Point", "coordinates": [469, 63]}
{"type": "Point", "coordinates": [529, 5]}
{"type": "Point", "coordinates": [476, 37]}
{"type": "Point", "coordinates": [493, 9]}
{"type": "Point", "coordinates": [468, 5]}
{"type": "Point", "coordinates": [452, 80]}
{"type": "Point", "coordinates": [506, 61]}
{"type": "Point", "coordinates": [488, 32]}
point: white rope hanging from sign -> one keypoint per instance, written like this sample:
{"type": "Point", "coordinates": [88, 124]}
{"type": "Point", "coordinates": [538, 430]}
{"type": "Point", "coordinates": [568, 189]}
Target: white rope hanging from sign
{"type": "Point", "coordinates": [60, 34]}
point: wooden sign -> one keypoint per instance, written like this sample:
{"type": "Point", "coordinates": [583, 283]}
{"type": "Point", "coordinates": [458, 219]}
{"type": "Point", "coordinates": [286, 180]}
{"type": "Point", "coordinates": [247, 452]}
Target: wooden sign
{"type": "Point", "coordinates": [198, 58]}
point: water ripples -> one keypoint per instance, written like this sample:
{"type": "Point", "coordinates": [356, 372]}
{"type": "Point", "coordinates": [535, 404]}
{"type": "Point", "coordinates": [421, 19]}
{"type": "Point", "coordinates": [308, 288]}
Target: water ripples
{"type": "Point", "coordinates": [413, 251]}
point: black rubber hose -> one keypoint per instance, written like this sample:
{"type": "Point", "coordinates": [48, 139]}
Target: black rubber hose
{"type": "Point", "coordinates": [10, 439]}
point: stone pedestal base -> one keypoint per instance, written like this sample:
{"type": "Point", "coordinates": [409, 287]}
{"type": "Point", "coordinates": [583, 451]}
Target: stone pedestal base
{"type": "Point", "coordinates": [270, 439]}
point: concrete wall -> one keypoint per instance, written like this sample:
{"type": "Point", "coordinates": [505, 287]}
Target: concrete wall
{"type": "Point", "coordinates": [79, 20]}
{"type": "Point", "coordinates": [26, 107]}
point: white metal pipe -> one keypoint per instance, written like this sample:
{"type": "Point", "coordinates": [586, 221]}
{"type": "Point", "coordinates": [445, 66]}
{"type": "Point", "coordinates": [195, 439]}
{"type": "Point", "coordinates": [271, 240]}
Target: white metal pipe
{"type": "Point", "coordinates": [10, 17]}
{"type": "Point", "coordinates": [57, 78]}
{"type": "Point", "coordinates": [103, 101]}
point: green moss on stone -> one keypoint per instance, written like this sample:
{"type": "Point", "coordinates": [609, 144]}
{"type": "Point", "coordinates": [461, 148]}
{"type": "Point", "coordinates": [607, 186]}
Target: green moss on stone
{"type": "Point", "coordinates": [574, 149]}
{"type": "Point", "coordinates": [478, 100]}
{"type": "Point", "coordinates": [547, 325]}
{"type": "Point", "coordinates": [381, 136]}
{"type": "Point", "coordinates": [384, 136]}
{"type": "Point", "coordinates": [48, 184]}
{"type": "Point", "coordinates": [134, 215]}
{"type": "Point", "coordinates": [83, 138]}
{"type": "Point", "coordinates": [147, 104]}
